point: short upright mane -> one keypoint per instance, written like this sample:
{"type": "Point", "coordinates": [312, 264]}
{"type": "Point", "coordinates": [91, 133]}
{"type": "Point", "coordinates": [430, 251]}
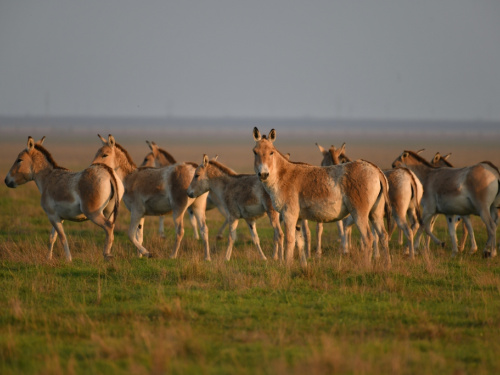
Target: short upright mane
{"type": "Point", "coordinates": [420, 158]}
{"type": "Point", "coordinates": [48, 157]}
{"type": "Point", "coordinates": [225, 169]}
{"type": "Point", "coordinates": [125, 152]}
{"type": "Point", "coordinates": [169, 157]}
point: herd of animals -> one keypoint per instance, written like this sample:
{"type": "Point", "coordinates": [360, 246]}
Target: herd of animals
{"type": "Point", "coordinates": [409, 196]}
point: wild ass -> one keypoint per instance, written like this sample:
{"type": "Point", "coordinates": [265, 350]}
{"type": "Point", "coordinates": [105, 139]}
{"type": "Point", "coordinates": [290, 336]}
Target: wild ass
{"type": "Point", "coordinates": [405, 192]}
{"type": "Point", "coordinates": [242, 196]}
{"type": "Point", "coordinates": [92, 194]}
{"type": "Point", "coordinates": [321, 194]}
{"type": "Point", "coordinates": [442, 161]}
{"type": "Point", "coordinates": [157, 158]}
{"type": "Point", "coordinates": [154, 191]}
{"type": "Point", "coordinates": [457, 191]}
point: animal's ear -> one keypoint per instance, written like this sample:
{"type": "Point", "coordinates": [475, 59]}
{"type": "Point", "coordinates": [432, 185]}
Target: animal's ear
{"type": "Point", "coordinates": [323, 151]}
{"type": "Point", "coordinates": [104, 142]}
{"type": "Point", "coordinates": [446, 156]}
{"type": "Point", "coordinates": [342, 148]}
{"type": "Point", "coordinates": [215, 157]}
{"type": "Point", "coordinates": [287, 156]}
{"type": "Point", "coordinates": [31, 144]}
{"type": "Point", "coordinates": [150, 145]}
{"type": "Point", "coordinates": [40, 142]}
{"type": "Point", "coordinates": [420, 151]}
{"type": "Point", "coordinates": [436, 158]}
{"type": "Point", "coordinates": [256, 134]}
{"type": "Point", "coordinates": [205, 160]}
{"type": "Point", "coordinates": [111, 141]}
{"type": "Point", "coordinates": [272, 135]}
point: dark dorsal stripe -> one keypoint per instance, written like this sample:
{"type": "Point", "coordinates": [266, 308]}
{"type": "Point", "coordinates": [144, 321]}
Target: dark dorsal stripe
{"type": "Point", "coordinates": [129, 159]}
{"type": "Point", "coordinates": [48, 157]}
{"type": "Point", "coordinates": [169, 157]}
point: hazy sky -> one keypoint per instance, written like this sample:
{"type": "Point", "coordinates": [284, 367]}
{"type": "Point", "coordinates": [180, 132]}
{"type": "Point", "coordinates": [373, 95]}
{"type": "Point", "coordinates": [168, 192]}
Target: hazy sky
{"type": "Point", "coordinates": [415, 59]}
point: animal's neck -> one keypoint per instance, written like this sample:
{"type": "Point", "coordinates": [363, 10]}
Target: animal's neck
{"type": "Point", "coordinates": [124, 168]}
{"type": "Point", "coordinates": [421, 171]}
{"type": "Point", "coordinates": [41, 169]}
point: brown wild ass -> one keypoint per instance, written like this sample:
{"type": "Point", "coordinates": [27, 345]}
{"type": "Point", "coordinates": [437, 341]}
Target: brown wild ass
{"type": "Point", "coordinates": [442, 161]}
{"type": "Point", "coordinates": [92, 194]}
{"type": "Point", "coordinates": [405, 193]}
{"type": "Point", "coordinates": [157, 158]}
{"type": "Point", "coordinates": [242, 196]}
{"type": "Point", "coordinates": [473, 190]}
{"type": "Point", "coordinates": [321, 194]}
{"type": "Point", "coordinates": [154, 191]}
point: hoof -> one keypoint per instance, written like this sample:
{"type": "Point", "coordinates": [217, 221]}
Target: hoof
{"type": "Point", "coordinates": [473, 251]}
{"type": "Point", "coordinates": [486, 254]}
{"type": "Point", "coordinates": [108, 257]}
{"type": "Point", "coordinates": [218, 238]}
{"type": "Point", "coordinates": [443, 244]}
{"type": "Point", "coordinates": [148, 255]}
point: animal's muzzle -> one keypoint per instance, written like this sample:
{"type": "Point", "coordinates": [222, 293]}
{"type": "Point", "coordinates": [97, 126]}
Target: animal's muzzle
{"type": "Point", "coordinates": [10, 183]}
{"type": "Point", "coordinates": [263, 176]}
{"type": "Point", "coordinates": [190, 194]}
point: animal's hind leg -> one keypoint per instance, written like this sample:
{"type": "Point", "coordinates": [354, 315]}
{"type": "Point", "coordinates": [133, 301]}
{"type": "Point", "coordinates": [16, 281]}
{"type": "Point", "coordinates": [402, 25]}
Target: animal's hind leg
{"type": "Point", "coordinates": [383, 237]}
{"type": "Point", "coordinates": [108, 228]}
{"type": "Point", "coordinates": [221, 229]}
{"type": "Point", "coordinates": [136, 219]}
{"type": "Point", "coordinates": [52, 240]}
{"type": "Point", "coordinates": [233, 224]}
{"type": "Point", "coordinates": [491, 228]}
{"type": "Point", "coordinates": [319, 233]}
{"type": "Point", "coordinates": [58, 227]}
{"type": "Point", "coordinates": [179, 231]}
{"type": "Point", "coordinates": [467, 224]}
{"type": "Point", "coordinates": [366, 236]}
{"type": "Point", "coordinates": [140, 231]}
{"type": "Point", "coordinates": [255, 237]}
{"type": "Point", "coordinates": [199, 212]}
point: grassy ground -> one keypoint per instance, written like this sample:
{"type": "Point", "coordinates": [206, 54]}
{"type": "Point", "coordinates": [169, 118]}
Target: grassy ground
{"type": "Point", "coordinates": [433, 315]}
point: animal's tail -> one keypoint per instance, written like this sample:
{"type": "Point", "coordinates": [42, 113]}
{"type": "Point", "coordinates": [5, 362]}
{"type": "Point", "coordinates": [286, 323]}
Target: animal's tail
{"type": "Point", "coordinates": [416, 202]}
{"type": "Point", "coordinates": [114, 191]}
{"type": "Point", "coordinates": [384, 184]}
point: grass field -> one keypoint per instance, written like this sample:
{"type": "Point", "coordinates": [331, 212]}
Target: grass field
{"type": "Point", "coordinates": [432, 315]}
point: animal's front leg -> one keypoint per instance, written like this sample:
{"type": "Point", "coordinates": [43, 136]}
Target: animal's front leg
{"type": "Point", "coordinates": [52, 240]}
{"type": "Point", "coordinates": [290, 224]}
{"type": "Point", "coordinates": [179, 232]}
{"type": "Point", "coordinates": [57, 225]}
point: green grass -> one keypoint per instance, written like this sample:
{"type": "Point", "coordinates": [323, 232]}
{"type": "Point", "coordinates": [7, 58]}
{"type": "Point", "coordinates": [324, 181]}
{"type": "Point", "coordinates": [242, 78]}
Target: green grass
{"type": "Point", "coordinates": [432, 315]}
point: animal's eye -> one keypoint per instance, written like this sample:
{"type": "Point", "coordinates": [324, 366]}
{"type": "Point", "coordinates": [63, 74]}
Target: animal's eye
{"type": "Point", "coordinates": [254, 152]}
{"type": "Point", "coordinates": [196, 175]}
{"type": "Point", "coordinates": [272, 153]}
{"type": "Point", "coordinates": [105, 156]}
{"type": "Point", "coordinates": [19, 160]}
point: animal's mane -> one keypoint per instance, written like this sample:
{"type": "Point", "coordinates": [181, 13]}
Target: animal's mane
{"type": "Point", "coordinates": [169, 157]}
{"type": "Point", "coordinates": [341, 155]}
{"type": "Point", "coordinates": [226, 170]}
{"type": "Point", "coordinates": [446, 162]}
{"type": "Point", "coordinates": [48, 157]}
{"type": "Point", "coordinates": [191, 163]}
{"type": "Point", "coordinates": [420, 158]}
{"type": "Point", "coordinates": [292, 162]}
{"type": "Point", "coordinates": [127, 155]}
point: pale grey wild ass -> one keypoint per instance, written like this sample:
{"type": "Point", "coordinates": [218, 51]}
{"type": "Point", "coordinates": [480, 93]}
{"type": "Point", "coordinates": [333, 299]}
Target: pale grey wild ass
{"type": "Point", "coordinates": [242, 196]}
{"type": "Point", "coordinates": [154, 191]}
{"type": "Point", "coordinates": [442, 161]}
{"type": "Point", "coordinates": [473, 190]}
{"type": "Point", "coordinates": [321, 194]}
{"type": "Point", "coordinates": [92, 194]}
{"type": "Point", "coordinates": [405, 193]}
{"type": "Point", "coordinates": [157, 158]}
